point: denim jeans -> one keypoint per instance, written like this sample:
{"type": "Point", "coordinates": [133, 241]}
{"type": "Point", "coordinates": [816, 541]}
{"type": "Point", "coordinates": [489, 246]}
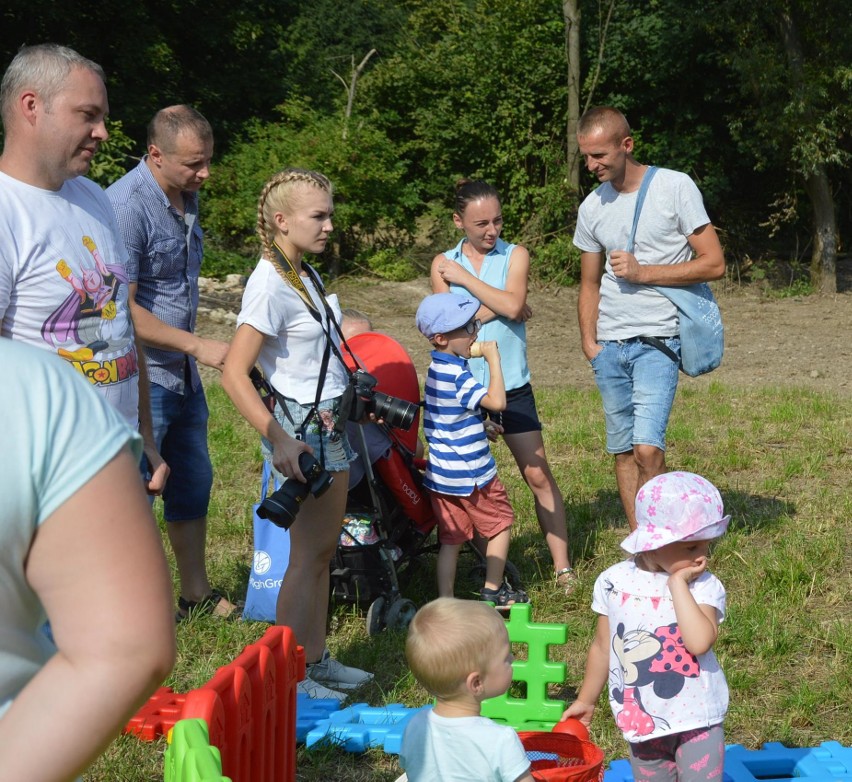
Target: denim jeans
{"type": "Point", "coordinates": [637, 384]}
{"type": "Point", "coordinates": [180, 432]}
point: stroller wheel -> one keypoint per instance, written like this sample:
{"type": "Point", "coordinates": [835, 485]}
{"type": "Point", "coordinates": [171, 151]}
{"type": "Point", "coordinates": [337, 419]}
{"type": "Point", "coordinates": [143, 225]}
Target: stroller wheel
{"type": "Point", "coordinates": [375, 616]}
{"type": "Point", "coordinates": [400, 614]}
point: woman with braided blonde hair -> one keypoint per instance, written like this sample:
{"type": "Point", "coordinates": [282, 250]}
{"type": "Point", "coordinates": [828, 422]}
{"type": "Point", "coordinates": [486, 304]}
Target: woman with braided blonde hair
{"type": "Point", "coordinates": [284, 325]}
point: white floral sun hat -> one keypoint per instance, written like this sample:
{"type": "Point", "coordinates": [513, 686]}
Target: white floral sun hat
{"type": "Point", "coordinates": [676, 506]}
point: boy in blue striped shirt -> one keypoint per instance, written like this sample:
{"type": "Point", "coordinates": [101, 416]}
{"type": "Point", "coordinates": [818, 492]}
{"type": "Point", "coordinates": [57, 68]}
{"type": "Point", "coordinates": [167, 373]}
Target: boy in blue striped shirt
{"type": "Point", "coordinates": [461, 476]}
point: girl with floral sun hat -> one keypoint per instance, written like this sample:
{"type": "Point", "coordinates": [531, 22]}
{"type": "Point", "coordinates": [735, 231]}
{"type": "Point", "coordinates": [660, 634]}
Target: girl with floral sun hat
{"type": "Point", "coordinates": [658, 618]}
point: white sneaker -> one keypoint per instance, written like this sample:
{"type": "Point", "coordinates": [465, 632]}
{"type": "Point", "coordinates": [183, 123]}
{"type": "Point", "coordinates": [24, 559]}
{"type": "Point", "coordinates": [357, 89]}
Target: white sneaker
{"type": "Point", "coordinates": [316, 690]}
{"type": "Point", "coordinates": [332, 673]}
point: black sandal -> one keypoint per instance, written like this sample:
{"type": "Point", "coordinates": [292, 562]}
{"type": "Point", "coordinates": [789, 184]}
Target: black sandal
{"type": "Point", "coordinates": [504, 597]}
{"type": "Point", "coordinates": [214, 604]}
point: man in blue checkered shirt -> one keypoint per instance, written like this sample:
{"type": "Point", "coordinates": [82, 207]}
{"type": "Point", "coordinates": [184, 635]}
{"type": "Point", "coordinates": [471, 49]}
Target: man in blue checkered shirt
{"type": "Point", "coordinates": [156, 208]}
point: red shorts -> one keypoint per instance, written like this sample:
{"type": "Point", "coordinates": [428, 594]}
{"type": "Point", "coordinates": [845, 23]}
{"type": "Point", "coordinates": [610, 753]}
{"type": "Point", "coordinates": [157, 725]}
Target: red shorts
{"type": "Point", "coordinates": [487, 511]}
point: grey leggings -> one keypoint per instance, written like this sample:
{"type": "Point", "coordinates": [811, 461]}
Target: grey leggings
{"type": "Point", "coordinates": [693, 756]}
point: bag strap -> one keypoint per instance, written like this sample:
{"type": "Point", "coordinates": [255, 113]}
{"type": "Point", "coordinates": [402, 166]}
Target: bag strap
{"type": "Point", "coordinates": [264, 480]}
{"type": "Point", "coordinates": [640, 200]}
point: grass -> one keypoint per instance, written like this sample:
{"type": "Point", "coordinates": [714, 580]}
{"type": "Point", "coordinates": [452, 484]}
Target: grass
{"type": "Point", "coordinates": [781, 458]}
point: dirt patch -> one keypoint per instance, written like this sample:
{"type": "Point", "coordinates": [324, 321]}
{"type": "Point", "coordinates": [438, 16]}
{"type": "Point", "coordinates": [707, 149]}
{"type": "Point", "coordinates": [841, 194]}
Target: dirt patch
{"type": "Point", "coordinates": [802, 341]}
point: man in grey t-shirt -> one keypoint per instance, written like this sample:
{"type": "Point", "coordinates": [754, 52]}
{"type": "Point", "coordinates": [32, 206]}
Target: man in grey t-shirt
{"type": "Point", "coordinates": [675, 245]}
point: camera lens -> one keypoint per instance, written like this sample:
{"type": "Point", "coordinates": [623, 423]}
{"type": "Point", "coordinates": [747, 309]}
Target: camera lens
{"type": "Point", "coordinates": [281, 506]}
{"type": "Point", "coordinates": [394, 412]}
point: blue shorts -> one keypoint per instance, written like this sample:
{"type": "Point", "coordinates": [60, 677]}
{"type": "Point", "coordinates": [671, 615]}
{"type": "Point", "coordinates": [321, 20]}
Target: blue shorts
{"type": "Point", "coordinates": [335, 446]}
{"type": "Point", "coordinates": [520, 414]}
{"type": "Point", "coordinates": [180, 432]}
{"type": "Point", "coordinates": [637, 384]}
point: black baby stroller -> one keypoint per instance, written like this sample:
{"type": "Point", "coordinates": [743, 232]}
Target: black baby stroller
{"type": "Point", "coordinates": [389, 517]}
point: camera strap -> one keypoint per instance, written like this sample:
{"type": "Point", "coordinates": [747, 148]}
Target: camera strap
{"type": "Point", "coordinates": [315, 278]}
{"type": "Point", "coordinates": [287, 271]}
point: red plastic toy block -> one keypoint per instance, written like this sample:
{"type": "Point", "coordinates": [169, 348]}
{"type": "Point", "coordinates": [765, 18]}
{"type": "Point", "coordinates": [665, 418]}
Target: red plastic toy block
{"type": "Point", "coordinates": [233, 737]}
{"type": "Point", "coordinates": [277, 739]}
{"type": "Point", "coordinates": [249, 706]}
{"type": "Point", "coordinates": [157, 716]}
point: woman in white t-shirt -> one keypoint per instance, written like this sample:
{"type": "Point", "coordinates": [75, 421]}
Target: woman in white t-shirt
{"type": "Point", "coordinates": [285, 325]}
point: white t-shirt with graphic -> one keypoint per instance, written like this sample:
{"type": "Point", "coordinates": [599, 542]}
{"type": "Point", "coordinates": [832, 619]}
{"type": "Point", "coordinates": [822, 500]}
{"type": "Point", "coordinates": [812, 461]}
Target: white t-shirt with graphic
{"type": "Point", "coordinates": [657, 687]}
{"type": "Point", "coordinates": [63, 285]}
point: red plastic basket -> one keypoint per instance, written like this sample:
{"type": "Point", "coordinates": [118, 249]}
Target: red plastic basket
{"type": "Point", "coordinates": [560, 757]}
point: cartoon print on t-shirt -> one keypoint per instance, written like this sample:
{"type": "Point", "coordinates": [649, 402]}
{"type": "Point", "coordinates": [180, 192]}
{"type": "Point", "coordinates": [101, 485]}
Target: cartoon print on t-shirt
{"type": "Point", "coordinates": [93, 318]}
{"type": "Point", "coordinates": [658, 660]}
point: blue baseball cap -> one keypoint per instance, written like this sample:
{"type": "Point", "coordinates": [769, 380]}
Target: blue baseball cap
{"type": "Point", "coordinates": [444, 312]}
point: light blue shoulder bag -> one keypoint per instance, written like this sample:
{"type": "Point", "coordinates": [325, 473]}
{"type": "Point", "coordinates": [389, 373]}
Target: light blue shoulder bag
{"type": "Point", "coordinates": [702, 336]}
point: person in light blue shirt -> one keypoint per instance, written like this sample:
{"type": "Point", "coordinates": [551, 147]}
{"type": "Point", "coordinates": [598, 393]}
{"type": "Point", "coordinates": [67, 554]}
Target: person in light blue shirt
{"type": "Point", "coordinates": [497, 273]}
{"type": "Point", "coordinates": [80, 548]}
{"type": "Point", "coordinates": [459, 652]}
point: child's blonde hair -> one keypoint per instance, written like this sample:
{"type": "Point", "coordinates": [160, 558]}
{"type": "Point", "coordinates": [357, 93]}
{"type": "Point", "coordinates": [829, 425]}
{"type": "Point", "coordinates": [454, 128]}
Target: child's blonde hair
{"type": "Point", "coordinates": [277, 196]}
{"type": "Point", "coordinates": [448, 639]}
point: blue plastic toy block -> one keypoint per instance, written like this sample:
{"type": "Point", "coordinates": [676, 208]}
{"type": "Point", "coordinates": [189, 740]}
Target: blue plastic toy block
{"type": "Point", "coordinates": [829, 762]}
{"type": "Point", "coordinates": [829, 757]}
{"type": "Point", "coordinates": [619, 771]}
{"type": "Point", "coordinates": [359, 727]}
{"type": "Point", "coordinates": [536, 711]}
{"type": "Point", "coordinates": [310, 712]}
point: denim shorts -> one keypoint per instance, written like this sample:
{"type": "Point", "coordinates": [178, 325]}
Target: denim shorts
{"type": "Point", "coordinates": [180, 432]}
{"type": "Point", "coordinates": [520, 414]}
{"type": "Point", "coordinates": [336, 450]}
{"type": "Point", "coordinates": [637, 384]}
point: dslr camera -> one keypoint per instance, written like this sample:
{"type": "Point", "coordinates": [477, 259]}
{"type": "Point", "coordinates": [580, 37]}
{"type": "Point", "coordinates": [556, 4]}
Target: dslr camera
{"type": "Point", "coordinates": [394, 412]}
{"type": "Point", "coordinates": [281, 506]}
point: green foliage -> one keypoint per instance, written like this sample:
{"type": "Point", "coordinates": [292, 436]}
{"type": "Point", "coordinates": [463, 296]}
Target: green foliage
{"type": "Point", "coordinates": [390, 265]}
{"type": "Point", "coordinates": [373, 199]}
{"type": "Point", "coordinates": [478, 88]}
{"type": "Point", "coordinates": [219, 263]}
{"type": "Point", "coordinates": [111, 162]}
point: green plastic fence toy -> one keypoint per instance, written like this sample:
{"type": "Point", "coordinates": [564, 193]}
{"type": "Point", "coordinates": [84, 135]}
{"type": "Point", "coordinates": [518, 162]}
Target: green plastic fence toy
{"type": "Point", "coordinates": [536, 711]}
{"type": "Point", "coordinates": [190, 757]}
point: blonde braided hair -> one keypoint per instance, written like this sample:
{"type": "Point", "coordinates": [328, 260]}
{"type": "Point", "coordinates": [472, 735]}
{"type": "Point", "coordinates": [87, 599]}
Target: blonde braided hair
{"type": "Point", "coordinates": [277, 195]}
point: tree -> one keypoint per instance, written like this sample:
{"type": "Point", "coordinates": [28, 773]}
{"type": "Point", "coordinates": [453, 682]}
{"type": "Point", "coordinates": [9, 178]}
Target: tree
{"type": "Point", "coordinates": [571, 18]}
{"type": "Point", "coordinates": [792, 61]}
{"type": "Point", "coordinates": [477, 88]}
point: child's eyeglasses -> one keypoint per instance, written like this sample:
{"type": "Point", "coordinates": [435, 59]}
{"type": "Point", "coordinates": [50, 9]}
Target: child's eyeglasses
{"type": "Point", "coordinates": [472, 326]}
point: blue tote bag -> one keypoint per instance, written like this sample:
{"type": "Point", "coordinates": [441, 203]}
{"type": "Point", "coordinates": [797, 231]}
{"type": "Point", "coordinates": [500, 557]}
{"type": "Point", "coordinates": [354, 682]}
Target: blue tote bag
{"type": "Point", "coordinates": [271, 557]}
{"type": "Point", "coordinates": [702, 336]}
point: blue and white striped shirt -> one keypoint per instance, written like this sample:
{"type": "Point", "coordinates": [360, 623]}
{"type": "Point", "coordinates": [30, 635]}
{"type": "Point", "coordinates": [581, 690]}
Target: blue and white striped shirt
{"type": "Point", "coordinates": [460, 458]}
{"type": "Point", "coordinates": [165, 250]}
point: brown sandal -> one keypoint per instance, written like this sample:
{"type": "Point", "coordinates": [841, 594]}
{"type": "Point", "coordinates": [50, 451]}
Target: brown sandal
{"type": "Point", "coordinates": [567, 580]}
{"type": "Point", "coordinates": [214, 605]}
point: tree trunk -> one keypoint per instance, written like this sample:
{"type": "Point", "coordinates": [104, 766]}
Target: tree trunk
{"type": "Point", "coordinates": [350, 89]}
{"type": "Point", "coordinates": [824, 256]}
{"type": "Point", "coordinates": [571, 18]}
{"type": "Point", "coordinates": [817, 186]}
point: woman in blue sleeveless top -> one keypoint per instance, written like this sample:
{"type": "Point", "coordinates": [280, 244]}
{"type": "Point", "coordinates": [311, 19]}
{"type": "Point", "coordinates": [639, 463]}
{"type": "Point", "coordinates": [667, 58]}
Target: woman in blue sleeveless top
{"type": "Point", "coordinates": [497, 273]}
